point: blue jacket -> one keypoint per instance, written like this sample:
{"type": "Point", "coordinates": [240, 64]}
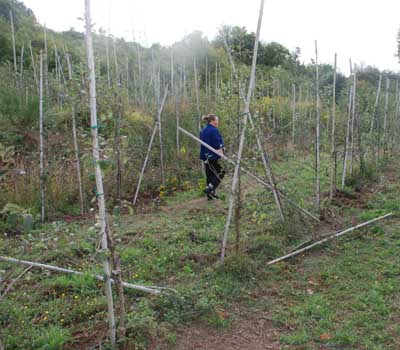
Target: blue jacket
{"type": "Point", "coordinates": [212, 137]}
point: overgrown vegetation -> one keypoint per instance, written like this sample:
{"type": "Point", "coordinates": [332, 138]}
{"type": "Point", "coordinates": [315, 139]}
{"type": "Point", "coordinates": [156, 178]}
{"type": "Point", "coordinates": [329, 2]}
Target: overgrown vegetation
{"type": "Point", "coordinates": [342, 297]}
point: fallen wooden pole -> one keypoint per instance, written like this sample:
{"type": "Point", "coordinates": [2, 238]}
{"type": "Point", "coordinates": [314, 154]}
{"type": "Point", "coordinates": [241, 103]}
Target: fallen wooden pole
{"type": "Point", "coordinates": [151, 290]}
{"type": "Point", "coordinates": [255, 177]}
{"type": "Point", "coordinates": [297, 252]}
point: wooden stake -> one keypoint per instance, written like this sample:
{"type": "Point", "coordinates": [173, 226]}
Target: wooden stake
{"type": "Point", "coordinates": [317, 139]}
{"type": "Point", "coordinates": [346, 145]}
{"type": "Point", "coordinates": [156, 126]}
{"type": "Point", "coordinates": [98, 173]}
{"type": "Point", "coordinates": [14, 49]}
{"type": "Point", "coordinates": [332, 188]}
{"type": "Point", "coordinates": [41, 138]}
{"type": "Point", "coordinates": [243, 133]}
{"type": "Point", "coordinates": [297, 252]}
{"type": "Point", "coordinates": [151, 290]}
{"type": "Point", "coordinates": [75, 140]}
{"type": "Point", "coordinates": [34, 67]}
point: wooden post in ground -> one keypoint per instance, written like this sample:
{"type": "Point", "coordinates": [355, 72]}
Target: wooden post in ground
{"type": "Point", "coordinates": [41, 142]}
{"type": "Point", "coordinates": [14, 49]}
{"type": "Point", "coordinates": [317, 136]}
{"type": "Point", "coordinates": [99, 177]}
{"type": "Point", "coordinates": [332, 188]}
{"type": "Point", "coordinates": [34, 67]}
{"type": "Point", "coordinates": [353, 119]}
{"type": "Point", "coordinates": [346, 144]}
{"type": "Point", "coordinates": [75, 140]}
{"type": "Point", "coordinates": [264, 156]}
{"type": "Point", "coordinates": [385, 118]}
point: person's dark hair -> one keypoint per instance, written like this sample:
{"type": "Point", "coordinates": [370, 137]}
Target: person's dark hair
{"type": "Point", "coordinates": [209, 118]}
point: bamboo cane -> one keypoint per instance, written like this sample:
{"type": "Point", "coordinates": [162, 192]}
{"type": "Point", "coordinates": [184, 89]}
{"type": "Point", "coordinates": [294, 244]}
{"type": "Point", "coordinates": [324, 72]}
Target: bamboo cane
{"type": "Point", "coordinates": [336, 235]}
{"type": "Point", "coordinates": [34, 67]}
{"type": "Point", "coordinates": [156, 126]}
{"type": "Point", "coordinates": [98, 173]}
{"type": "Point", "coordinates": [385, 116]}
{"type": "Point", "coordinates": [317, 140]}
{"type": "Point", "coordinates": [14, 49]}
{"type": "Point", "coordinates": [41, 136]}
{"type": "Point", "coordinates": [346, 145]}
{"type": "Point", "coordinates": [151, 290]}
{"type": "Point", "coordinates": [75, 141]}
{"type": "Point", "coordinates": [353, 121]}
{"type": "Point", "coordinates": [332, 188]}
{"type": "Point", "coordinates": [264, 156]}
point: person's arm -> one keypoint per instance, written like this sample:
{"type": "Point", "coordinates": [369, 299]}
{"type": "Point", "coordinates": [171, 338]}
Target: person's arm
{"type": "Point", "coordinates": [219, 143]}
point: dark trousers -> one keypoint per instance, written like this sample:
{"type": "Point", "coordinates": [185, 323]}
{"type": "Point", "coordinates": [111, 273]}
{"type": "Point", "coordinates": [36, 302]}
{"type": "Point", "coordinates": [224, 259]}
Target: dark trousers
{"type": "Point", "coordinates": [214, 172]}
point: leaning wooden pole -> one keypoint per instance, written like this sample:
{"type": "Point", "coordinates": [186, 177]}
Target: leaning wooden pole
{"type": "Point", "coordinates": [317, 136]}
{"type": "Point", "coordinates": [151, 290]}
{"type": "Point", "coordinates": [14, 49]}
{"type": "Point", "coordinates": [150, 146]}
{"type": "Point", "coordinates": [99, 178]}
{"type": "Point", "coordinates": [264, 156]}
{"type": "Point", "coordinates": [336, 235]}
{"type": "Point", "coordinates": [332, 188]}
{"type": "Point", "coordinates": [34, 67]}
{"type": "Point", "coordinates": [235, 179]}
{"type": "Point", "coordinates": [41, 144]}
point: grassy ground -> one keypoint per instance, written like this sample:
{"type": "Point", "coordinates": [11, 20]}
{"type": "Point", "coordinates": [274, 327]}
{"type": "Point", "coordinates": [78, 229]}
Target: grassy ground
{"type": "Point", "coordinates": [344, 295]}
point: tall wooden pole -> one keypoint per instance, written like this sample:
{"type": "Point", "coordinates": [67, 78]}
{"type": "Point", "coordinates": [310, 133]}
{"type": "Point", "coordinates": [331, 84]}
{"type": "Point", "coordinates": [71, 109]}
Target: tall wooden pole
{"type": "Point", "coordinates": [98, 173]}
{"type": "Point", "coordinates": [243, 133]}
{"type": "Point", "coordinates": [385, 117]}
{"type": "Point", "coordinates": [34, 66]}
{"type": "Point", "coordinates": [346, 144]}
{"type": "Point", "coordinates": [317, 135]}
{"type": "Point", "coordinates": [14, 49]}
{"type": "Point", "coordinates": [332, 188]}
{"type": "Point", "coordinates": [353, 120]}
{"type": "Point", "coordinates": [75, 140]}
{"type": "Point", "coordinates": [41, 144]}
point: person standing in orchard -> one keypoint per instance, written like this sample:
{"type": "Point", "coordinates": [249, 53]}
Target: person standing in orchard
{"type": "Point", "coordinates": [214, 171]}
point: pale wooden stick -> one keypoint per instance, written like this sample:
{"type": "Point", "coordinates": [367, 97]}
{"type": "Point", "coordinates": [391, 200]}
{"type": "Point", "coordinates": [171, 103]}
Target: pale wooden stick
{"type": "Point", "coordinates": [34, 66]}
{"type": "Point", "coordinates": [14, 49]}
{"type": "Point", "coordinates": [346, 145]}
{"type": "Point", "coordinates": [332, 188]}
{"type": "Point", "coordinates": [98, 173]}
{"type": "Point", "coordinates": [41, 146]}
{"type": "Point", "coordinates": [151, 290]}
{"type": "Point", "coordinates": [75, 141]}
{"type": "Point", "coordinates": [156, 126]}
{"type": "Point", "coordinates": [317, 142]}
{"type": "Point", "coordinates": [250, 91]}
{"type": "Point", "coordinates": [297, 252]}
{"type": "Point", "coordinates": [265, 160]}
